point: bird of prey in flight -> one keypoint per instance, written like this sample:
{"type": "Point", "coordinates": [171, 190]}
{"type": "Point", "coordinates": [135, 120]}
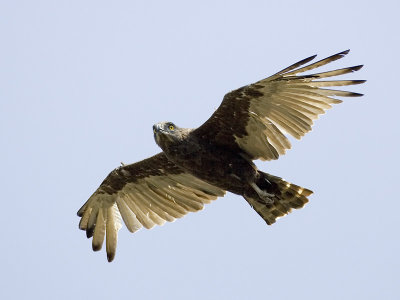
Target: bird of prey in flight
{"type": "Point", "coordinates": [198, 165]}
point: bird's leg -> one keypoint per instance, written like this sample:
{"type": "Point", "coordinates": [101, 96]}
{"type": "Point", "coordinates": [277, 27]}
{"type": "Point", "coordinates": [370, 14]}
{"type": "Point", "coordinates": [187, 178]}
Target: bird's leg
{"type": "Point", "coordinates": [267, 197]}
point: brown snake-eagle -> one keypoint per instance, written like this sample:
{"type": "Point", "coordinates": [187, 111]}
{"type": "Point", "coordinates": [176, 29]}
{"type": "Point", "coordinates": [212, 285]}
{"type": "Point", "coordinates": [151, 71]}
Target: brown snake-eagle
{"type": "Point", "coordinates": [198, 165]}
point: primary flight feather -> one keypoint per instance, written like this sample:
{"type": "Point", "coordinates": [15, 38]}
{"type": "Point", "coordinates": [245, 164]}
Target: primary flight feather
{"type": "Point", "coordinates": [198, 165]}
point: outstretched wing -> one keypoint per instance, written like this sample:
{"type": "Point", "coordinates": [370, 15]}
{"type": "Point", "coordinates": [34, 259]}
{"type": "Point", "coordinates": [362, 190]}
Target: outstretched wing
{"type": "Point", "coordinates": [144, 194]}
{"type": "Point", "coordinates": [255, 118]}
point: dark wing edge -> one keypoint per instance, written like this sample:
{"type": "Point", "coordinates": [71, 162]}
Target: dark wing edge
{"type": "Point", "coordinates": [143, 194]}
{"type": "Point", "coordinates": [256, 118]}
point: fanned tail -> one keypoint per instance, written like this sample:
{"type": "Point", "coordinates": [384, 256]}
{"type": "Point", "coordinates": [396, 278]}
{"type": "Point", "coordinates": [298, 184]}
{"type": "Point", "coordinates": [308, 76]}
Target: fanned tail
{"type": "Point", "coordinates": [284, 197]}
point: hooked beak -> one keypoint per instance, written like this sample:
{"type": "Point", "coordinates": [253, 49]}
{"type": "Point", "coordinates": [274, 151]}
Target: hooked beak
{"type": "Point", "coordinates": [157, 128]}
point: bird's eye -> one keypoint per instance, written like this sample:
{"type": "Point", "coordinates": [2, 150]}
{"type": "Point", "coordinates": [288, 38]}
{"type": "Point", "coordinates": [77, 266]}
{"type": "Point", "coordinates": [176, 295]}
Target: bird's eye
{"type": "Point", "coordinates": [171, 127]}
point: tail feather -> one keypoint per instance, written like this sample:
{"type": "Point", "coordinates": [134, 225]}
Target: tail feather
{"type": "Point", "coordinates": [286, 197]}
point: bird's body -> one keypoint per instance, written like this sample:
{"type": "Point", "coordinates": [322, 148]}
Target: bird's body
{"type": "Point", "coordinates": [229, 170]}
{"type": "Point", "coordinates": [198, 165]}
{"type": "Point", "coordinates": [211, 163]}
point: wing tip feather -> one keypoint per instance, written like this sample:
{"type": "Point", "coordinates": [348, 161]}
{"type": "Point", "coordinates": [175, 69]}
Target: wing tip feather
{"type": "Point", "coordinates": [356, 68]}
{"type": "Point", "coordinates": [89, 232]}
{"type": "Point", "coordinates": [356, 95]}
{"type": "Point", "coordinates": [82, 226]}
{"type": "Point", "coordinates": [345, 52]}
{"type": "Point", "coordinates": [308, 59]}
{"type": "Point", "coordinates": [96, 247]}
{"type": "Point", "coordinates": [110, 256]}
{"type": "Point", "coordinates": [358, 81]}
{"type": "Point", "coordinates": [81, 211]}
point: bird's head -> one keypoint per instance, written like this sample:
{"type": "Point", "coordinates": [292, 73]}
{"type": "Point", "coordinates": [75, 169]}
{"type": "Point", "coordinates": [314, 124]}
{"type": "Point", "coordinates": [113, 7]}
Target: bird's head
{"type": "Point", "coordinates": [167, 133]}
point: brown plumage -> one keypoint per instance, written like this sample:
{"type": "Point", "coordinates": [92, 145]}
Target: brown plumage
{"type": "Point", "coordinates": [199, 165]}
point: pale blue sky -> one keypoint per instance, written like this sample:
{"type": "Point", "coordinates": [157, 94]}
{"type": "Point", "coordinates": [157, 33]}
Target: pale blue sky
{"type": "Point", "coordinates": [82, 83]}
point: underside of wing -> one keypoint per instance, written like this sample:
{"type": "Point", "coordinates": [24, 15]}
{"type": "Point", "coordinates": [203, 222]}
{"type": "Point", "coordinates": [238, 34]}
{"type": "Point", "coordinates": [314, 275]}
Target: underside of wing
{"type": "Point", "coordinates": [143, 194]}
{"type": "Point", "coordinates": [256, 118]}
